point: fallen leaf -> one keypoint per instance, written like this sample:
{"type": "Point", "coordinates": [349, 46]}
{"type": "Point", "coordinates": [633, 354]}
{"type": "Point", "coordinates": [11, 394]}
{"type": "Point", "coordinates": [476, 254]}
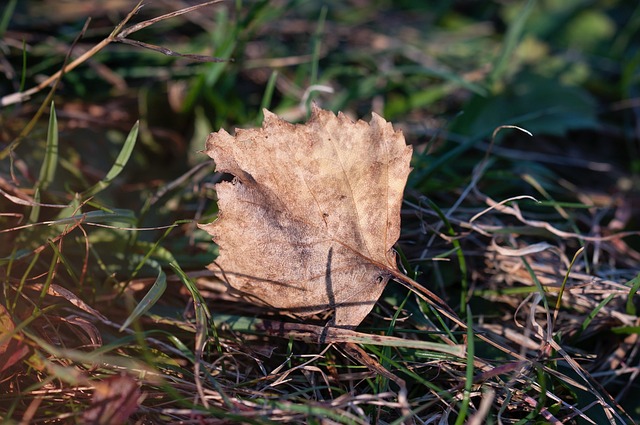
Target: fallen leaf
{"type": "Point", "coordinates": [12, 350]}
{"type": "Point", "coordinates": [114, 400]}
{"type": "Point", "coordinates": [309, 222]}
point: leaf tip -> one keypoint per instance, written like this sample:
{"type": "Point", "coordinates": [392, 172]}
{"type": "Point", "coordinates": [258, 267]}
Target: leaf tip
{"type": "Point", "coordinates": [269, 117]}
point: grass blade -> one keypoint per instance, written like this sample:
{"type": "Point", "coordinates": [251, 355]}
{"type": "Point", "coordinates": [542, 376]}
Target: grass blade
{"type": "Point", "coordinates": [6, 16]}
{"type": "Point", "coordinates": [630, 306]}
{"type": "Point", "coordinates": [514, 33]}
{"type": "Point", "coordinates": [118, 166]}
{"type": "Point", "coordinates": [563, 286]}
{"type": "Point", "coordinates": [203, 317]}
{"type": "Point", "coordinates": [464, 283]}
{"type": "Point", "coordinates": [468, 384]}
{"type": "Point", "coordinates": [154, 294]}
{"type": "Point", "coordinates": [268, 96]}
{"type": "Point", "coordinates": [49, 164]}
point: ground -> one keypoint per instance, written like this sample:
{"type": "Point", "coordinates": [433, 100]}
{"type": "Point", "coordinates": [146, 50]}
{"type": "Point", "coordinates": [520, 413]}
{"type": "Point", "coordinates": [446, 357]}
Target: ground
{"type": "Point", "coordinates": [519, 213]}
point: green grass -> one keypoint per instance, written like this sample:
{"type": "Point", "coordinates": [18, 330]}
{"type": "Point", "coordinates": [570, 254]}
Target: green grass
{"type": "Point", "coordinates": [531, 240]}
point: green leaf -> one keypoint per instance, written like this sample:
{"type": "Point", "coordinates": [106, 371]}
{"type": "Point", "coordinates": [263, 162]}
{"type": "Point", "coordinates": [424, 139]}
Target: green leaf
{"type": "Point", "coordinates": [540, 105]}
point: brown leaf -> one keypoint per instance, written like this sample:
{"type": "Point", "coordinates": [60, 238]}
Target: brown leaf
{"type": "Point", "coordinates": [12, 350]}
{"type": "Point", "coordinates": [310, 220]}
{"type": "Point", "coordinates": [113, 401]}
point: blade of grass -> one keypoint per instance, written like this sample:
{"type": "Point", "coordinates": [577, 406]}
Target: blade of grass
{"type": "Point", "coordinates": [149, 22]}
{"type": "Point", "coordinates": [563, 213]}
{"type": "Point", "coordinates": [203, 323]}
{"type": "Point", "coordinates": [409, 372]}
{"type": "Point", "coordinates": [448, 76]}
{"type": "Point", "coordinates": [312, 333]}
{"type": "Point", "coordinates": [512, 38]}
{"type": "Point", "coordinates": [154, 249]}
{"type": "Point", "coordinates": [537, 283]}
{"type": "Point", "coordinates": [23, 76]}
{"type": "Point", "coordinates": [6, 16]}
{"type": "Point", "coordinates": [202, 311]}
{"type": "Point", "coordinates": [23, 279]}
{"type": "Point", "coordinates": [593, 313]}
{"type": "Point", "coordinates": [468, 383]}
{"type": "Point", "coordinates": [464, 290]}
{"type": "Point", "coordinates": [626, 330]}
{"type": "Point", "coordinates": [635, 285]}
{"type": "Point", "coordinates": [118, 166]}
{"type": "Point", "coordinates": [267, 97]}
{"type": "Point", "coordinates": [91, 358]}
{"type": "Point", "coordinates": [49, 277]}
{"type": "Point", "coordinates": [386, 350]}
{"type": "Point", "coordinates": [65, 262]}
{"type": "Point", "coordinates": [151, 297]}
{"type": "Point", "coordinates": [564, 284]}
{"type": "Point", "coordinates": [321, 412]}
{"type": "Point", "coordinates": [317, 44]}
{"type": "Point", "coordinates": [49, 164]}
{"type": "Point", "coordinates": [435, 164]}
{"type": "Point", "coordinates": [425, 307]}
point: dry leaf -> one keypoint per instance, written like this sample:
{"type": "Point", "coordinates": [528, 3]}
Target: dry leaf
{"type": "Point", "coordinates": [114, 400]}
{"type": "Point", "coordinates": [12, 350]}
{"type": "Point", "coordinates": [309, 222]}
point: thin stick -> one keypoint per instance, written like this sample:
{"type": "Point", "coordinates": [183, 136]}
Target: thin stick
{"type": "Point", "coordinates": [25, 95]}
{"type": "Point", "coordinates": [119, 34]}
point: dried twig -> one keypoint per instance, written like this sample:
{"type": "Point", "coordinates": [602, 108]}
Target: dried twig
{"type": "Point", "coordinates": [119, 34]}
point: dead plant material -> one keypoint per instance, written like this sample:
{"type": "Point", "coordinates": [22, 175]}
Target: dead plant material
{"type": "Point", "coordinates": [119, 34]}
{"type": "Point", "coordinates": [310, 220]}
